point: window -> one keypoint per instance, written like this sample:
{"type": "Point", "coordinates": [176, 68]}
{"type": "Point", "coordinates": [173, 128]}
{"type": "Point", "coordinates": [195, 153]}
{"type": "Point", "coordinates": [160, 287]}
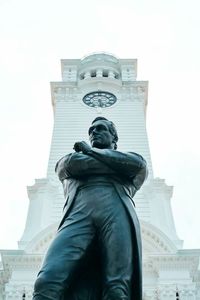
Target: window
{"type": "Point", "coordinates": [93, 73]}
{"type": "Point", "coordinates": [105, 73]}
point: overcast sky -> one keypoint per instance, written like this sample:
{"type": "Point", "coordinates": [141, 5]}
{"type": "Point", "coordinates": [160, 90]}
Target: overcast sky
{"type": "Point", "coordinates": [162, 34]}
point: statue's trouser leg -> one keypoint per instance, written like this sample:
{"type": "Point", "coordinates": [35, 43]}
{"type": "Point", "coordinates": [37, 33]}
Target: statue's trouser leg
{"type": "Point", "coordinates": [64, 256]}
{"type": "Point", "coordinates": [113, 225]}
{"type": "Point", "coordinates": [117, 252]}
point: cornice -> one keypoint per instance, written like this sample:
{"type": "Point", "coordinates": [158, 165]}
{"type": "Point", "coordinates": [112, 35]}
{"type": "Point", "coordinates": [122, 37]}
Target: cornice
{"type": "Point", "coordinates": [175, 262]}
{"type": "Point", "coordinates": [21, 261]}
{"type": "Point", "coordinates": [159, 185]}
{"type": "Point", "coordinates": [42, 185]}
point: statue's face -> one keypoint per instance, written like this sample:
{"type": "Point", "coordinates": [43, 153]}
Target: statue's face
{"type": "Point", "coordinates": [100, 135]}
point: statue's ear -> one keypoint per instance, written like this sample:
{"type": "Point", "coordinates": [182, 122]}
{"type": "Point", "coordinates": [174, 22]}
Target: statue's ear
{"type": "Point", "coordinates": [114, 144]}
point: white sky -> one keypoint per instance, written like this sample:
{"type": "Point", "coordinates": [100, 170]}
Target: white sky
{"type": "Point", "coordinates": [162, 34]}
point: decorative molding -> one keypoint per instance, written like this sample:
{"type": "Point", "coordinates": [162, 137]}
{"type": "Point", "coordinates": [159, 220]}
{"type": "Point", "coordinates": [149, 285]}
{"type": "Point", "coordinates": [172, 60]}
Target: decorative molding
{"type": "Point", "coordinates": [175, 262]}
{"type": "Point", "coordinates": [15, 291]}
{"type": "Point", "coordinates": [5, 275]}
{"type": "Point", "coordinates": [13, 260]}
{"type": "Point", "coordinates": [155, 241]}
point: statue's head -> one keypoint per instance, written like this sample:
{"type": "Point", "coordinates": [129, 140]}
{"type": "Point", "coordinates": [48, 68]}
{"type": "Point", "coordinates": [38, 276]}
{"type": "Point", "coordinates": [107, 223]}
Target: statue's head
{"type": "Point", "coordinates": [103, 134]}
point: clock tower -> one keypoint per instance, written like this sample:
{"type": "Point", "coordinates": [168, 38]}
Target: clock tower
{"type": "Point", "coordinates": [103, 85]}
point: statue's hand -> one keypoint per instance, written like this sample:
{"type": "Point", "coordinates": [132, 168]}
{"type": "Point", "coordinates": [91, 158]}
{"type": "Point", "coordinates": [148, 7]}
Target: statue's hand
{"type": "Point", "coordinates": [82, 147]}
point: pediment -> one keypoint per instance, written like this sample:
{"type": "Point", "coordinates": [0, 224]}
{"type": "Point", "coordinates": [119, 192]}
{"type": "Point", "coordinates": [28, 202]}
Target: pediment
{"type": "Point", "coordinates": [154, 241]}
{"type": "Point", "coordinates": [41, 241]}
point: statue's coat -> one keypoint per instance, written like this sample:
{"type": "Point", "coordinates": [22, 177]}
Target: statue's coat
{"type": "Point", "coordinates": [126, 171]}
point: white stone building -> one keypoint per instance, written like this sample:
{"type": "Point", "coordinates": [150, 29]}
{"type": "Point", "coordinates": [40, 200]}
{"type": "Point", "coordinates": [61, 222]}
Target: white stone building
{"type": "Point", "coordinates": [101, 84]}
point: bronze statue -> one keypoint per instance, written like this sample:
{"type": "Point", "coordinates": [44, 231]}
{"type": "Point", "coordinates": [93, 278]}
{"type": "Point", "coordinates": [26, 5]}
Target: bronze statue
{"type": "Point", "coordinates": [96, 254]}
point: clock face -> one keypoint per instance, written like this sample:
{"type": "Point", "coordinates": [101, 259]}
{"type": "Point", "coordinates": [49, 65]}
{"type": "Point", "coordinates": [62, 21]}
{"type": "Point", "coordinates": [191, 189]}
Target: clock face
{"type": "Point", "coordinates": [99, 99]}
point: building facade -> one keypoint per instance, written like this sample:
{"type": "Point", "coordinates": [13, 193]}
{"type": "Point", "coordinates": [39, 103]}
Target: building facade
{"type": "Point", "coordinates": [102, 85]}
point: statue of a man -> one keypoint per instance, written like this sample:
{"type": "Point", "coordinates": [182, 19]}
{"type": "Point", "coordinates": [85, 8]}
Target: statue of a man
{"type": "Point", "coordinates": [96, 254]}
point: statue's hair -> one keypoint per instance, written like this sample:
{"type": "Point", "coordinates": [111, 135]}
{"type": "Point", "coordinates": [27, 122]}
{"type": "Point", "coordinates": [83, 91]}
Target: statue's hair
{"type": "Point", "coordinates": [112, 129]}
